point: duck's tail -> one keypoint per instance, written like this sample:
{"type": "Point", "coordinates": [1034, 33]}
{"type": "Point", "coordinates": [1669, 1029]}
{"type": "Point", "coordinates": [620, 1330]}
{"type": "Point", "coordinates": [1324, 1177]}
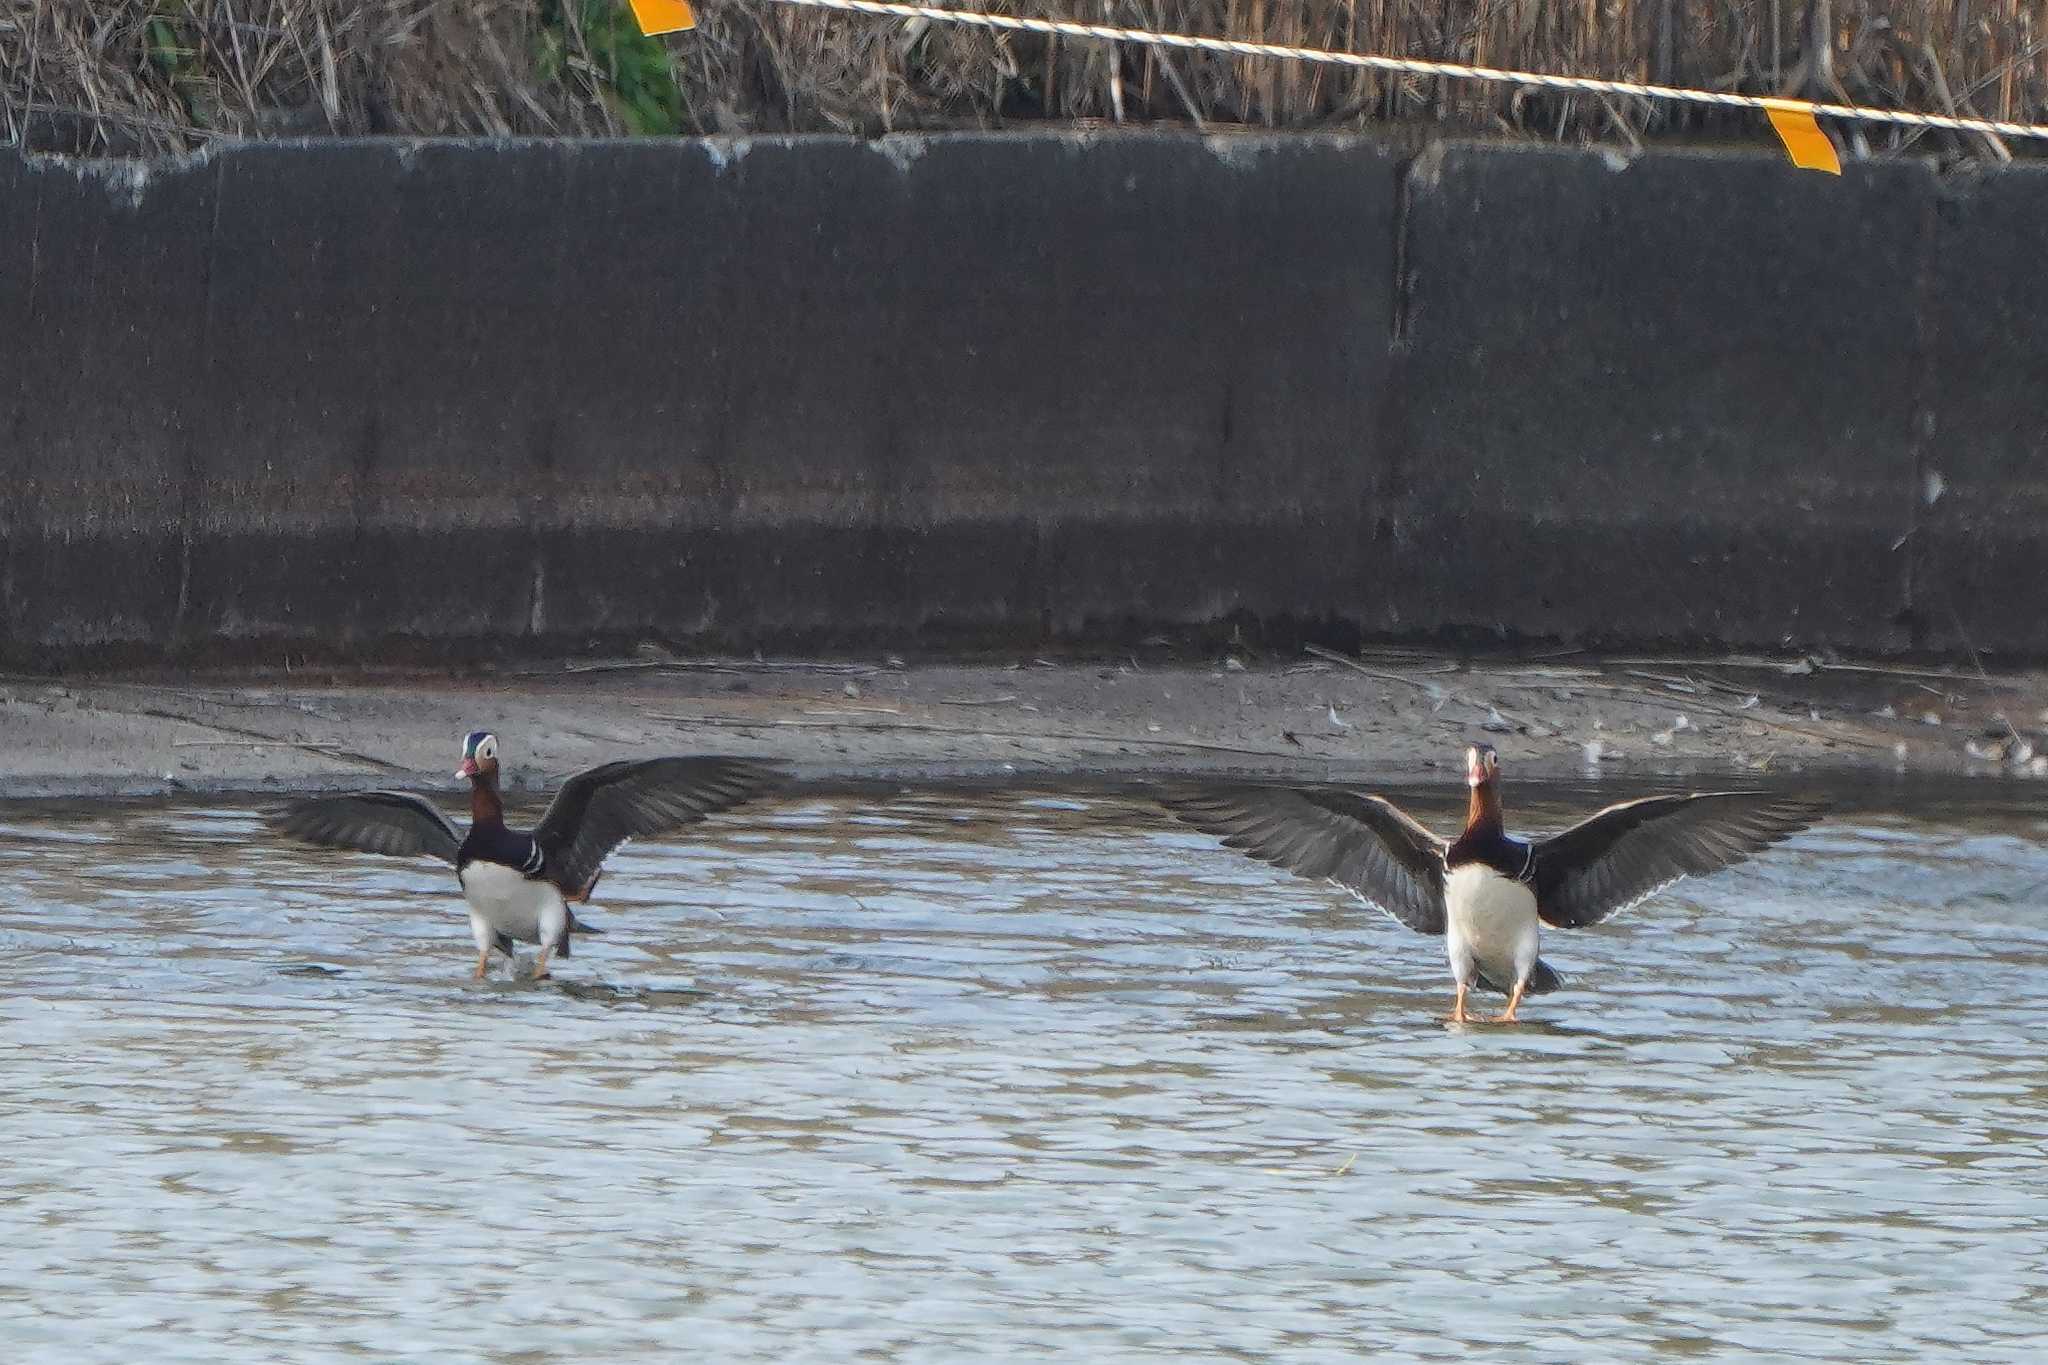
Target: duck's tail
{"type": "Point", "coordinates": [575, 926]}
{"type": "Point", "coordinates": [1543, 979]}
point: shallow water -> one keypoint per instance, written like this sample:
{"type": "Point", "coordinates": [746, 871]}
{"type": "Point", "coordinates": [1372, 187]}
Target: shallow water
{"type": "Point", "coordinates": [912, 1077]}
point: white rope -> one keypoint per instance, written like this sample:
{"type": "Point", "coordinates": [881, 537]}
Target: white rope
{"type": "Point", "coordinates": [1416, 66]}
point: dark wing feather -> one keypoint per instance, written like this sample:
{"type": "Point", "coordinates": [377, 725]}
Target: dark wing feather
{"type": "Point", "coordinates": [397, 823]}
{"type": "Point", "coordinates": [1360, 842]}
{"type": "Point", "coordinates": [601, 808]}
{"type": "Point", "coordinates": [1610, 861]}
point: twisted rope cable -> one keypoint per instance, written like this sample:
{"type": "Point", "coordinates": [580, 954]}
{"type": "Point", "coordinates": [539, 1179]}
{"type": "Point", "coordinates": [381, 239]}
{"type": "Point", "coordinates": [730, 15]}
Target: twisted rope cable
{"type": "Point", "coordinates": [1588, 85]}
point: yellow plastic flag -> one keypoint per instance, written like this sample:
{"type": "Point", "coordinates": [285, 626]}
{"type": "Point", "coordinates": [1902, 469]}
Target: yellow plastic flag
{"type": "Point", "coordinates": [663, 16]}
{"type": "Point", "coordinates": [1804, 142]}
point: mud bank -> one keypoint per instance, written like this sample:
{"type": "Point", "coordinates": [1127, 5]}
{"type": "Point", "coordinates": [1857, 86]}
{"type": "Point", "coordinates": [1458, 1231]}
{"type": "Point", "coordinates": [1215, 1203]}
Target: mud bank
{"type": "Point", "coordinates": [1394, 717]}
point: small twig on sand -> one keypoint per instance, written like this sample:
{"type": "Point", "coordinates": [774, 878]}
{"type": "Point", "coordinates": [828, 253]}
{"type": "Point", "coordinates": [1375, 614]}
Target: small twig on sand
{"type": "Point", "coordinates": [1976, 659]}
{"type": "Point", "coordinates": [1691, 684]}
{"type": "Point", "coordinates": [968, 731]}
{"type": "Point", "coordinates": [321, 744]}
{"type": "Point", "coordinates": [1382, 674]}
{"type": "Point", "coordinates": [1938, 674]}
{"type": "Point", "coordinates": [836, 670]}
{"type": "Point", "coordinates": [1801, 665]}
{"type": "Point", "coordinates": [615, 666]}
{"type": "Point", "coordinates": [1794, 666]}
{"type": "Point", "coordinates": [323, 749]}
{"type": "Point", "coordinates": [1554, 676]}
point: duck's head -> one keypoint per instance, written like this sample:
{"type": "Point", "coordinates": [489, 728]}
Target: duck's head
{"type": "Point", "coordinates": [1482, 765]}
{"type": "Point", "coordinates": [479, 755]}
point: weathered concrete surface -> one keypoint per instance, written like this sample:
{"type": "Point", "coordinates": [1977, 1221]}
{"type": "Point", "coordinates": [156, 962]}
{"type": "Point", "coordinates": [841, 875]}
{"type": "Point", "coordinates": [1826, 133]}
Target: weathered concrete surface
{"type": "Point", "coordinates": [1671, 397]}
{"type": "Point", "coordinates": [387, 399]}
{"type": "Point", "coordinates": [966, 387]}
{"type": "Point", "coordinates": [1982, 571]}
{"type": "Point", "coordinates": [109, 376]}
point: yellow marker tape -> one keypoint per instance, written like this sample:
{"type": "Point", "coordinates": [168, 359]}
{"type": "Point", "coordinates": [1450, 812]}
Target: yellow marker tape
{"type": "Point", "coordinates": [1804, 142]}
{"type": "Point", "coordinates": [663, 16]}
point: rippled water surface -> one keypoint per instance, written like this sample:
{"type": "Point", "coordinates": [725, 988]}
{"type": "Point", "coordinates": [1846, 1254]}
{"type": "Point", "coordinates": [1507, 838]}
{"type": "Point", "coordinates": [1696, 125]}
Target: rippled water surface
{"type": "Point", "coordinates": [925, 1075]}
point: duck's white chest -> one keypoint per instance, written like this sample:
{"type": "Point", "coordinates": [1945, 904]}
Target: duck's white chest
{"type": "Point", "coordinates": [1490, 922]}
{"type": "Point", "coordinates": [510, 902]}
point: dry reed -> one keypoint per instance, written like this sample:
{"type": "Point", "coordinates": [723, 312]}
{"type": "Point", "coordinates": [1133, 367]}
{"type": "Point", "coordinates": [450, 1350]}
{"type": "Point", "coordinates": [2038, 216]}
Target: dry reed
{"type": "Point", "coordinates": [87, 77]}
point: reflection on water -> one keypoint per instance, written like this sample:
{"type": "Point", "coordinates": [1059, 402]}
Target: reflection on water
{"type": "Point", "coordinates": [1049, 1078]}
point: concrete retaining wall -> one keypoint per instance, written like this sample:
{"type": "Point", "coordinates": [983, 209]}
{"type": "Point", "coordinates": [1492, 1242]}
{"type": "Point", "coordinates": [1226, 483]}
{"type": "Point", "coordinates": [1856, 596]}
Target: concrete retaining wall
{"type": "Point", "coordinates": [337, 397]}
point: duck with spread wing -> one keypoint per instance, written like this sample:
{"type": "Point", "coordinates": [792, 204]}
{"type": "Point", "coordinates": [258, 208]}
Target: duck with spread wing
{"type": "Point", "coordinates": [1489, 894]}
{"type": "Point", "coordinates": [519, 884]}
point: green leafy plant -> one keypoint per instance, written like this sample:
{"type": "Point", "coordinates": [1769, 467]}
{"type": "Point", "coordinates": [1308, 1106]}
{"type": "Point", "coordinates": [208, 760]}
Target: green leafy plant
{"type": "Point", "coordinates": [601, 45]}
{"type": "Point", "coordinates": [172, 53]}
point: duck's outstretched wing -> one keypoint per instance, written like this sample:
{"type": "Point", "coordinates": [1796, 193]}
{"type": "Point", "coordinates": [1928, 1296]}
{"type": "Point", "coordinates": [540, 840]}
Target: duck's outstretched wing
{"type": "Point", "coordinates": [1363, 843]}
{"type": "Point", "coordinates": [602, 807]}
{"type": "Point", "coordinates": [397, 823]}
{"type": "Point", "coordinates": [1627, 852]}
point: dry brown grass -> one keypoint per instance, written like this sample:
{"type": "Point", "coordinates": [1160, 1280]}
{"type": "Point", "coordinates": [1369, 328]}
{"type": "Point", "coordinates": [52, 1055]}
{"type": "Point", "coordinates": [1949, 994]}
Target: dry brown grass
{"type": "Point", "coordinates": [89, 76]}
